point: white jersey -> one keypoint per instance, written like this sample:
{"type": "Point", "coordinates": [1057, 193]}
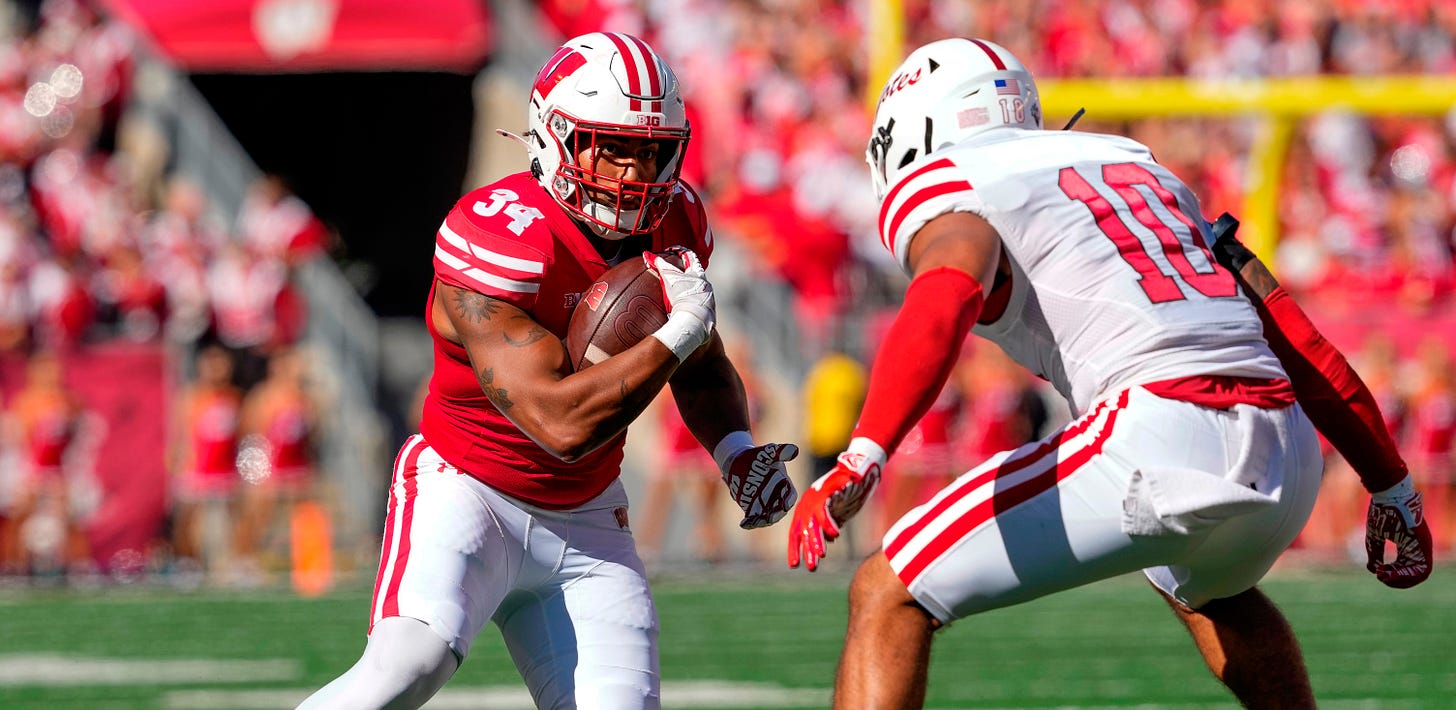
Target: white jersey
{"type": "Point", "coordinates": [1112, 282]}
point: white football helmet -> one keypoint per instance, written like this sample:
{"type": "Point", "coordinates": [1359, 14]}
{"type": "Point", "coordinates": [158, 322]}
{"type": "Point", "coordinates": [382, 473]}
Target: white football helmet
{"type": "Point", "coordinates": [943, 93]}
{"type": "Point", "coordinates": [606, 84]}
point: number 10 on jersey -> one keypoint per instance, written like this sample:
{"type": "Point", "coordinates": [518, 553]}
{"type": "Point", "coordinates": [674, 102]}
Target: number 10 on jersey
{"type": "Point", "coordinates": [1213, 281]}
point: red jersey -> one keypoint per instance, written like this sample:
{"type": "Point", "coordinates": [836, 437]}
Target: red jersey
{"type": "Point", "coordinates": [215, 432]}
{"type": "Point", "coordinates": [928, 444]}
{"type": "Point", "coordinates": [997, 422]}
{"type": "Point", "coordinates": [49, 421]}
{"type": "Point", "coordinates": [1433, 424]}
{"type": "Point", "coordinates": [512, 242]}
{"type": "Point", "coordinates": [286, 431]}
{"type": "Point", "coordinates": [679, 448]}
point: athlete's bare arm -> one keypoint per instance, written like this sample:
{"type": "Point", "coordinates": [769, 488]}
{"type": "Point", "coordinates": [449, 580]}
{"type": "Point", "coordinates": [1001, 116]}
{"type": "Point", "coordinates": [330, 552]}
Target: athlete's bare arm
{"type": "Point", "coordinates": [710, 394]}
{"type": "Point", "coordinates": [959, 240]}
{"type": "Point", "coordinates": [522, 368]}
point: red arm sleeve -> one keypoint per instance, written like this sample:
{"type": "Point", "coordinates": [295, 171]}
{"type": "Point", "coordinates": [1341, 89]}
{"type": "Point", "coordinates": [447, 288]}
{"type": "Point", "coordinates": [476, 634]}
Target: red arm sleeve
{"type": "Point", "coordinates": [918, 353]}
{"type": "Point", "coordinates": [1331, 393]}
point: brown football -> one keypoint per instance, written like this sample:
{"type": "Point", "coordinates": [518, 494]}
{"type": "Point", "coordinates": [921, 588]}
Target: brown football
{"type": "Point", "coordinates": [623, 306]}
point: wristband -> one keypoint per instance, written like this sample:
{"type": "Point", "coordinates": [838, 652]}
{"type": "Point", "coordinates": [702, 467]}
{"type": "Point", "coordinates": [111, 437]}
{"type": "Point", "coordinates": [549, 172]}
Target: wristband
{"type": "Point", "coordinates": [730, 446]}
{"type": "Point", "coordinates": [866, 447]}
{"type": "Point", "coordinates": [683, 333]}
{"type": "Point", "coordinates": [1398, 493]}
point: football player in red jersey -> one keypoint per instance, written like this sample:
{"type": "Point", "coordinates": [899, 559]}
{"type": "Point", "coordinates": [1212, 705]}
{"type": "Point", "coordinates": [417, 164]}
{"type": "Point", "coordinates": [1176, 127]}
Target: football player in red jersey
{"type": "Point", "coordinates": [1191, 456]}
{"type": "Point", "coordinates": [507, 507]}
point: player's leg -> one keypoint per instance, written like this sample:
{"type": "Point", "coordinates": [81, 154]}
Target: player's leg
{"type": "Point", "coordinates": [1243, 637]}
{"type": "Point", "coordinates": [587, 636]}
{"type": "Point", "coordinates": [451, 550]}
{"type": "Point", "coordinates": [1251, 648]}
{"type": "Point", "coordinates": [404, 664]}
{"type": "Point", "coordinates": [1045, 517]}
{"type": "Point", "coordinates": [998, 535]}
{"type": "Point", "coordinates": [887, 645]}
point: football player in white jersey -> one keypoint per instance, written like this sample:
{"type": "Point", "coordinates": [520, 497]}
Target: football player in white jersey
{"type": "Point", "coordinates": [1190, 456]}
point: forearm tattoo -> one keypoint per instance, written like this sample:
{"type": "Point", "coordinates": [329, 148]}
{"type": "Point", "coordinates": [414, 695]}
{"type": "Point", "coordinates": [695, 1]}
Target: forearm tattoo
{"type": "Point", "coordinates": [497, 395]}
{"type": "Point", "coordinates": [473, 306]}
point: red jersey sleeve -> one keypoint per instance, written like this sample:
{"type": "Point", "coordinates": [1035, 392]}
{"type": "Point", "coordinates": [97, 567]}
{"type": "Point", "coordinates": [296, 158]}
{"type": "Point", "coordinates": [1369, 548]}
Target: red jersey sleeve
{"type": "Point", "coordinates": [470, 254]}
{"type": "Point", "coordinates": [698, 235]}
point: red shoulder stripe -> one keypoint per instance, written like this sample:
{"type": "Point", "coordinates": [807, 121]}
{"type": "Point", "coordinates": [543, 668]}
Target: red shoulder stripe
{"type": "Point", "coordinates": [920, 197]}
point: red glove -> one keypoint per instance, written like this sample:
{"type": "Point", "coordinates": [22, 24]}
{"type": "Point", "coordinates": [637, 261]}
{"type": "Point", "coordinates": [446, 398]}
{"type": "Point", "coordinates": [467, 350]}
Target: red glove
{"type": "Point", "coordinates": [1396, 514]}
{"type": "Point", "coordinates": [833, 499]}
{"type": "Point", "coordinates": [759, 482]}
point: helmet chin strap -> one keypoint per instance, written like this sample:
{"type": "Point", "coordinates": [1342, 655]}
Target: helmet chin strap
{"type": "Point", "coordinates": [604, 213]}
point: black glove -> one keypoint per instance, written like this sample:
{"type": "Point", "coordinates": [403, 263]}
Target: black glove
{"type": "Point", "coordinates": [1227, 249]}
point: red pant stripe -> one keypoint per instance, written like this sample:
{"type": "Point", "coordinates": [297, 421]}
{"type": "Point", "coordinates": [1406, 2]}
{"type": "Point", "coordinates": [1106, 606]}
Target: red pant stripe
{"type": "Point", "coordinates": [395, 549]}
{"type": "Point", "coordinates": [1002, 501]}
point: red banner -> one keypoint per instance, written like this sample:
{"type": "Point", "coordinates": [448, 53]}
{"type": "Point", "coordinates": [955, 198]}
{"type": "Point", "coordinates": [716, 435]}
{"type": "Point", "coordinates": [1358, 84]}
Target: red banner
{"type": "Point", "coordinates": [123, 388]}
{"type": "Point", "coordinates": [314, 35]}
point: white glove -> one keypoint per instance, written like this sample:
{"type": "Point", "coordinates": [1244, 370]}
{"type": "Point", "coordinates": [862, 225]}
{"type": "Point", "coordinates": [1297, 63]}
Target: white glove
{"type": "Point", "coordinates": [691, 311]}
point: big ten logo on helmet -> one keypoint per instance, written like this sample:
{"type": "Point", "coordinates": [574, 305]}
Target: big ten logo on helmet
{"type": "Point", "coordinates": [899, 82]}
{"type": "Point", "coordinates": [649, 119]}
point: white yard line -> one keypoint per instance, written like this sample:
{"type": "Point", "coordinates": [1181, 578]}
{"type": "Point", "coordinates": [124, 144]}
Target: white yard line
{"type": "Point", "coordinates": [722, 695]}
{"type": "Point", "coordinates": [64, 670]}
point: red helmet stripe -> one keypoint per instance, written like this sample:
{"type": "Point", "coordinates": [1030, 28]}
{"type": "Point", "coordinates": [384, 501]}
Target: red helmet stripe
{"type": "Point", "coordinates": [562, 64]}
{"type": "Point", "coordinates": [654, 79]}
{"type": "Point", "coordinates": [995, 58]}
{"type": "Point", "coordinates": [634, 77]}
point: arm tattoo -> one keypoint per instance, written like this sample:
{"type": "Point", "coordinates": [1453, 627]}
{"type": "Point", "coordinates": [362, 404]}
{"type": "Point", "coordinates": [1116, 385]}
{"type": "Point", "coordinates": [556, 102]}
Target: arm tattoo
{"type": "Point", "coordinates": [497, 395]}
{"type": "Point", "coordinates": [622, 387]}
{"type": "Point", "coordinates": [474, 306]}
{"type": "Point", "coordinates": [533, 335]}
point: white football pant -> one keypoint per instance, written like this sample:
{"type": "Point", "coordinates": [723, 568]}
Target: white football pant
{"type": "Point", "coordinates": [566, 588]}
{"type": "Point", "coordinates": [1202, 500]}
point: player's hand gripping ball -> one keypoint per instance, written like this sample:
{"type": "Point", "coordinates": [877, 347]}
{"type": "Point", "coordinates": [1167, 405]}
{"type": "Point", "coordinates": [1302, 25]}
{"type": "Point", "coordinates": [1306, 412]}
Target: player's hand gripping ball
{"type": "Point", "coordinates": [623, 306]}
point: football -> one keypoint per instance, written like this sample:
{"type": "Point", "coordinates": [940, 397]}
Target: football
{"type": "Point", "coordinates": [623, 306]}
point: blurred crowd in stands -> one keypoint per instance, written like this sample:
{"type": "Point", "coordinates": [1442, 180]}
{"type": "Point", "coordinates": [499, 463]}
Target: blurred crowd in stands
{"type": "Point", "coordinates": [99, 249]}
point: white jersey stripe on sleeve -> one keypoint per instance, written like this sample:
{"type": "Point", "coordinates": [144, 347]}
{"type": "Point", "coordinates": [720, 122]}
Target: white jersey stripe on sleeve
{"type": "Point", "coordinates": [465, 270]}
{"type": "Point", "coordinates": [488, 256]}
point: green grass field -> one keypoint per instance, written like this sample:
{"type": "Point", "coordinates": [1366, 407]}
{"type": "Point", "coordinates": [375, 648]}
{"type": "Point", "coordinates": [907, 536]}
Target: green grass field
{"type": "Point", "coordinates": [763, 640]}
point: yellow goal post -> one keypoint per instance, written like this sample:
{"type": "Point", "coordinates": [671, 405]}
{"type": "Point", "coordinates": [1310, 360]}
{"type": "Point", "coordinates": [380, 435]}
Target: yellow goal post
{"type": "Point", "coordinates": [1278, 103]}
